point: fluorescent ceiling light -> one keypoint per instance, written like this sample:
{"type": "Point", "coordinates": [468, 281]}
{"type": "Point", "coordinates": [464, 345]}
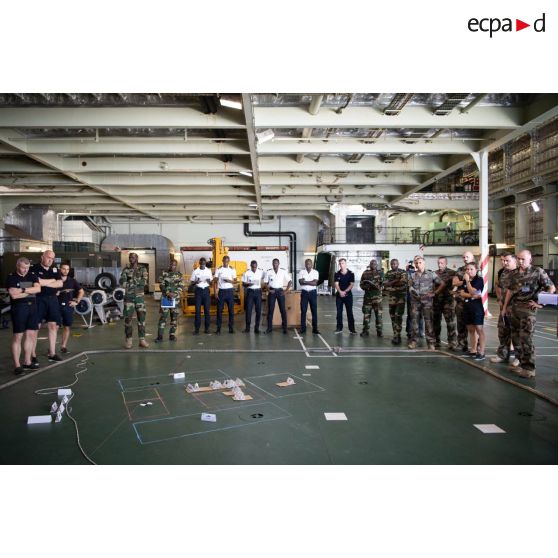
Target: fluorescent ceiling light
{"type": "Point", "coordinates": [230, 103]}
{"type": "Point", "coordinates": [422, 212]}
{"type": "Point", "coordinates": [391, 217]}
{"type": "Point", "coordinates": [246, 173]}
{"type": "Point", "coordinates": [252, 205]}
{"type": "Point", "coordinates": [535, 207]}
{"type": "Point", "coordinates": [265, 135]}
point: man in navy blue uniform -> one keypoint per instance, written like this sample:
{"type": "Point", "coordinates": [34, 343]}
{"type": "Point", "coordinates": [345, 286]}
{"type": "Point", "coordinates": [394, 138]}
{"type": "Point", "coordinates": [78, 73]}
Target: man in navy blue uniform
{"type": "Point", "coordinates": [68, 298]}
{"type": "Point", "coordinates": [48, 309]}
{"type": "Point", "coordinates": [22, 287]}
{"type": "Point", "coordinates": [344, 282]}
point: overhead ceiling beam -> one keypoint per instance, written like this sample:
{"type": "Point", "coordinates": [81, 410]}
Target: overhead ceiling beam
{"type": "Point", "coordinates": [326, 179]}
{"type": "Point", "coordinates": [369, 117]}
{"type": "Point", "coordinates": [162, 165]}
{"type": "Point", "coordinates": [439, 147]}
{"type": "Point", "coordinates": [52, 162]}
{"type": "Point", "coordinates": [337, 164]}
{"type": "Point", "coordinates": [118, 117]}
{"type": "Point", "coordinates": [303, 190]}
{"type": "Point", "coordinates": [168, 179]}
{"type": "Point", "coordinates": [251, 133]}
{"type": "Point", "coordinates": [135, 146]}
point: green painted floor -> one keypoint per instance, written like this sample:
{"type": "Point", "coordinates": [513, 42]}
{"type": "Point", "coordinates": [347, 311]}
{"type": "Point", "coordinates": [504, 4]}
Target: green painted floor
{"type": "Point", "coordinates": [401, 406]}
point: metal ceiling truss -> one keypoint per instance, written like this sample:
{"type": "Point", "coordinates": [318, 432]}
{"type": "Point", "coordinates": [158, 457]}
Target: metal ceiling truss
{"type": "Point", "coordinates": [180, 157]}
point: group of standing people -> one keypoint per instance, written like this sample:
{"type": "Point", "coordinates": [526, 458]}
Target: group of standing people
{"type": "Point", "coordinates": [41, 293]}
{"type": "Point", "coordinates": [45, 293]}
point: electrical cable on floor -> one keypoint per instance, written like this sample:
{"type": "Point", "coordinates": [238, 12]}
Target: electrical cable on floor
{"type": "Point", "coordinates": [54, 390]}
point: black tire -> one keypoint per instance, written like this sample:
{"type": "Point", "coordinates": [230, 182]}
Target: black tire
{"type": "Point", "coordinates": [105, 282]}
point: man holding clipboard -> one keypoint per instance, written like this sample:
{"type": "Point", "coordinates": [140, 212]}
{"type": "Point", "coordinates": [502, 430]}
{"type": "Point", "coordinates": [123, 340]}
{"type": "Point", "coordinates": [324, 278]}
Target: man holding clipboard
{"type": "Point", "coordinates": [171, 284]}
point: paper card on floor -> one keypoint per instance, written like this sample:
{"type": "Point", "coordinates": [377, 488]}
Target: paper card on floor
{"type": "Point", "coordinates": [335, 416]}
{"type": "Point", "coordinates": [312, 367]}
{"type": "Point", "coordinates": [489, 429]}
{"type": "Point", "coordinates": [246, 398]}
{"type": "Point", "coordinates": [208, 417]}
{"type": "Point", "coordinates": [284, 384]}
{"type": "Point", "coordinates": [306, 374]}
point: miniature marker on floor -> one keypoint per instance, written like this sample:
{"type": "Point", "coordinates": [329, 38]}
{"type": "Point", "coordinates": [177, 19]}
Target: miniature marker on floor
{"type": "Point", "coordinates": [306, 374]}
{"type": "Point", "coordinates": [178, 375]}
{"type": "Point", "coordinates": [335, 416]}
{"type": "Point", "coordinates": [288, 382]}
{"type": "Point", "coordinates": [208, 417]}
{"type": "Point", "coordinates": [312, 367]}
{"type": "Point", "coordinates": [489, 429]}
{"type": "Point", "coordinates": [40, 419]}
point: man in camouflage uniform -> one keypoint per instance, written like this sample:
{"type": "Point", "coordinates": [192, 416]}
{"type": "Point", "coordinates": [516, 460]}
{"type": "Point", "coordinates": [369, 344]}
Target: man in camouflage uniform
{"type": "Point", "coordinates": [371, 283]}
{"type": "Point", "coordinates": [457, 281]}
{"type": "Point", "coordinates": [133, 279]}
{"type": "Point", "coordinates": [171, 283]}
{"type": "Point", "coordinates": [502, 284]}
{"type": "Point", "coordinates": [444, 305]}
{"type": "Point", "coordinates": [422, 287]}
{"type": "Point", "coordinates": [526, 283]}
{"type": "Point", "coordinates": [395, 285]}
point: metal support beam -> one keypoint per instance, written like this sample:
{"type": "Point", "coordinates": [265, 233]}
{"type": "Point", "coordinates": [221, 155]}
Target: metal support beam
{"type": "Point", "coordinates": [251, 132]}
{"type": "Point", "coordinates": [367, 117]}
{"type": "Point", "coordinates": [118, 117]}
{"type": "Point", "coordinates": [6, 137]}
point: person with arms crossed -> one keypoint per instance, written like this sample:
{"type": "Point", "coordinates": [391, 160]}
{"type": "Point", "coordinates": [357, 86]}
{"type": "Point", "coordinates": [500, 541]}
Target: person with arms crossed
{"type": "Point", "coordinates": [47, 301]}
{"type": "Point", "coordinates": [23, 286]}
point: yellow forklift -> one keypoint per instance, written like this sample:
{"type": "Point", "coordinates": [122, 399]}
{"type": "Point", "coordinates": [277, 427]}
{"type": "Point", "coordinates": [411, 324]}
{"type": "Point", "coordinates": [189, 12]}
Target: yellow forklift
{"type": "Point", "coordinates": [219, 251]}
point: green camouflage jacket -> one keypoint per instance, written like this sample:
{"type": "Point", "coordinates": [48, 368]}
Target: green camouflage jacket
{"type": "Point", "coordinates": [397, 275]}
{"type": "Point", "coordinates": [527, 285]}
{"type": "Point", "coordinates": [446, 276]}
{"type": "Point", "coordinates": [371, 282]}
{"type": "Point", "coordinates": [134, 280]}
{"type": "Point", "coordinates": [171, 282]}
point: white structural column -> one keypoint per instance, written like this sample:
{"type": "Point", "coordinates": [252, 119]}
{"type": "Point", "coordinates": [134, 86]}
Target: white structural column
{"type": "Point", "coordinates": [481, 159]}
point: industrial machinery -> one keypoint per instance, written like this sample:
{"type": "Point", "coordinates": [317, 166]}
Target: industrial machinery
{"type": "Point", "coordinates": [219, 251]}
{"type": "Point", "coordinates": [108, 307]}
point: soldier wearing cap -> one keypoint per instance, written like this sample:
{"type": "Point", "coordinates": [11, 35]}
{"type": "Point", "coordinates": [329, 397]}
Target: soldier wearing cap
{"type": "Point", "coordinates": [133, 279]}
{"type": "Point", "coordinates": [526, 283]}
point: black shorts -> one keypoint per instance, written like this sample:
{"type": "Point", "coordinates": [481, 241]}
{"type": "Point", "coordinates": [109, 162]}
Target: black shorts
{"type": "Point", "coordinates": [24, 317]}
{"type": "Point", "coordinates": [66, 315]}
{"type": "Point", "coordinates": [473, 313]}
{"type": "Point", "coordinates": [48, 309]}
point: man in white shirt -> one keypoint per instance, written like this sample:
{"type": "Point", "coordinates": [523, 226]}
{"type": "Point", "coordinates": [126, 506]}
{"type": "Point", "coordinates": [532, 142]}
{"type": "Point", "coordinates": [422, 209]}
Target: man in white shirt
{"type": "Point", "coordinates": [275, 280]}
{"type": "Point", "coordinates": [201, 279]}
{"type": "Point", "coordinates": [225, 279]}
{"type": "Point", "coordinates": [308, 280]}
{"type": "Point", "coordinates": [252, 281]}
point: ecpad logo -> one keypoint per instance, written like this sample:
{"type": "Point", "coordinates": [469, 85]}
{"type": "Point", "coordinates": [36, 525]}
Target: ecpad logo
{"type": "Point", "coordinates": [494, 25]}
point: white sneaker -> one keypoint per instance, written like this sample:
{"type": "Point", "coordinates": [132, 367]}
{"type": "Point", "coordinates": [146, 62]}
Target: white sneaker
{"type": "Point", "coordinates": [515, 363]}
{"type": "Point", "coordinates": [496, 359]}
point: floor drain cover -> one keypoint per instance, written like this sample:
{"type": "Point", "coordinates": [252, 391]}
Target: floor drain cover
{"type": "Point", "coordinates": [363, 383]}
{"type": "Point", "coordinates": [256, 415]}
{"type": "Point", "coordinates": [155, 384]}
{"type": "Point", "coordinates": [525, 414]}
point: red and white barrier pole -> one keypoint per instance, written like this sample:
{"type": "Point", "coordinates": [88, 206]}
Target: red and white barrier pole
{"type": "Point", "coordinates": [481, 159]}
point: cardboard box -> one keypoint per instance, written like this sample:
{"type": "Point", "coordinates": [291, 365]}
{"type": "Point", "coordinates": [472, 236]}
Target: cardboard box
{"type": "Point", "coordinates": [292, 304]}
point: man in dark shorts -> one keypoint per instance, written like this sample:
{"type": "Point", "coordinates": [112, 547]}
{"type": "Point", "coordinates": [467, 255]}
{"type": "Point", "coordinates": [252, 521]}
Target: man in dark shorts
{"type": "Point", "coordinates": [22, 286]}
{"type": "Point", "coordinates": [47, 301]}
{"type": "Point", "coordinates": [68, 298]}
